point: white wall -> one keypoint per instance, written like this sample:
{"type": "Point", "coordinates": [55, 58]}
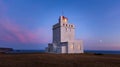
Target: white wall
{"type": "Point", "coordinates": [67, 32]}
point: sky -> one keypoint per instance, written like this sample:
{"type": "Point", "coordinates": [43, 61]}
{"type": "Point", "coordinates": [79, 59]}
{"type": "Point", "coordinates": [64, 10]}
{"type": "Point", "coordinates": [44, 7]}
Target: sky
{"type": "Point", "coordinates": [27, 24]}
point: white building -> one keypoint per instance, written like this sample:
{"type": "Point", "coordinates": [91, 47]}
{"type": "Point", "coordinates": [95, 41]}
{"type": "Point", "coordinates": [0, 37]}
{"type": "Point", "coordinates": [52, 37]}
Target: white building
{"type": "Point", "coordinates": [63, 38]}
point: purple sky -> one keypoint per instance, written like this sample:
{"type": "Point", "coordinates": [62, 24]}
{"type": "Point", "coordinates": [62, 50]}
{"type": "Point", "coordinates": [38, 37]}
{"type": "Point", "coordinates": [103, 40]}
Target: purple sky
{"type": "Point", "coordinates": [27, 24]}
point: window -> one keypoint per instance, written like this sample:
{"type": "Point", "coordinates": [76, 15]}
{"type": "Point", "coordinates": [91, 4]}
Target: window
{"type": "Point", "coordinates": [63, 24]}
{"type": "Point", "coordinates": [78, 46]}
{"type": "Point", "coordinates": [71, 47]}
{"type": "Point", "coordinates": [71, 25]}
{"type": "Point", "coordinates": [66, 24]}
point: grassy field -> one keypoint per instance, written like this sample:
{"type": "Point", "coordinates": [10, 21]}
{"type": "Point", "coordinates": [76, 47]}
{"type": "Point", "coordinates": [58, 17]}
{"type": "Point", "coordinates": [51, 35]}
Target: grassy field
{"type": "Point", "coordinates": [59, 60]}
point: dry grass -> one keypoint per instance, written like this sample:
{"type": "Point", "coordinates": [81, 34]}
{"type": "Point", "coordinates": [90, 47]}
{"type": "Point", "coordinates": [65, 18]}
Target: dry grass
{"type": "Point", "coordinates": [59, 60]}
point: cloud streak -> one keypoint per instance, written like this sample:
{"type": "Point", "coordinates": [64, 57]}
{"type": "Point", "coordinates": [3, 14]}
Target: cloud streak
{"type": "Point", "coordinates": [14, 33]}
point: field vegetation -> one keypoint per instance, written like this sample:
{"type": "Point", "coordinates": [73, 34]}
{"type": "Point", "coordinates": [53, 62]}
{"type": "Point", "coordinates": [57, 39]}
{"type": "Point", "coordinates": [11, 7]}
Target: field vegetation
{"type": "Point", "coordinates": [59, 60]}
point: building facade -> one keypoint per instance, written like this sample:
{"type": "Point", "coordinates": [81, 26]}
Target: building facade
{"type": "Point", "coordinates": [64, 38]}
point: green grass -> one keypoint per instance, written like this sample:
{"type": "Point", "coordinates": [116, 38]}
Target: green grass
{"type": "Point", "coordinates": [59, 60]}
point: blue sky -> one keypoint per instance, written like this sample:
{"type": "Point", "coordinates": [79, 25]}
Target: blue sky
{"type": "Point", "coordinates": [27, 24]}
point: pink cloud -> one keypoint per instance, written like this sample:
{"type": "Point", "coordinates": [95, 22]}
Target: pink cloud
{"type": "Point", "coordinates": [8, 38]}
{"type": "Point", "coordinates": [10, 31]}
{"type": "Point", "coordinates": [21, 34]}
